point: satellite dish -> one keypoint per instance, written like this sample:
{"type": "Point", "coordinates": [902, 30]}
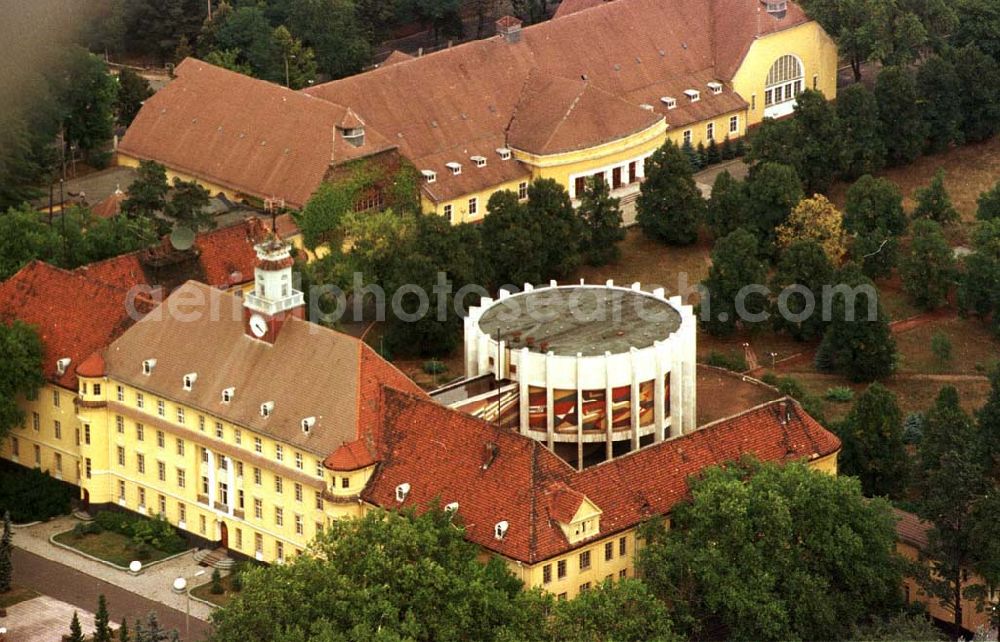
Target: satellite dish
{"type": "Point", "coordinates": [182, 238]}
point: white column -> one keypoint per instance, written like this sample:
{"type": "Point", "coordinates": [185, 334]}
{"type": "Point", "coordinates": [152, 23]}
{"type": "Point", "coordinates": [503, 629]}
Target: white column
{"type": "Point", "coordinates": [231, 484]}
{"type": "Point", "coordinates": [677, 409]}
{"type": "Point", "coordinates": [636, 409]}
{"type": "Point", "coordinates": [524, 406]}
{"type": "Point", "coordinates": [550, 419]}
{"type": "Point", "coordinates": [659, 411]}
{"type": "Point", "coordinates": [211, 477]}
{"type": "Point", "coordinates": [690, 372]}
{"type": "Point", "coordinates": [579, 412]}
{"type": "Point", "coordinates": [608, 429]}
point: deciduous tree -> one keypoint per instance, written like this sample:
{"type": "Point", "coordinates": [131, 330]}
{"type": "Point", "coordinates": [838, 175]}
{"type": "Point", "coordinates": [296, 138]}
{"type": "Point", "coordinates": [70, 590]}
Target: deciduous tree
{"type": "Point", "coordinates": [933, 201]}
{"type": "Point", "coordinates": [383, 576]}
{"type": "Point", "coordinates": [133, 89]}
{"type": "Point", "coordinates": [979, 81]}
{"type": "Point", "coordinates": [819, 220]}
{"type": "Point", "coordinates": [979, 286]}
{"type": "Point", "coordinates": [873, 448]}
{"type": "Point", "coordinates": [989, 204]}
{"type": "Point", "coordinates": [902, 124]}
{"type": "Point", "coordinates": [860, 132]}
{"type": "Point", "coordinates": [928, 270]}
{"type": "Point", "coordinates": [874, 214]}
{"type": "Point", "coordinates": [772, 190]}
{"type": "Point", "coordinates": [6, 555]}
{"type": "Point", "coordinates": [332, 30]}
{"type": "Point", "coordinates": [940, 96]}
{"type": "Point", "coordinates": [669, 207]}
{"type": "Point", "coordinates": [21, 353]}
{"type": "Point", "coordinates": [626, 610]}
{"type": "Point", "coordinates": [758, 553]}
{"type": "Point", "coordinates": [727, 206]}
{"type": "Point", "coordinates": [88, 98]}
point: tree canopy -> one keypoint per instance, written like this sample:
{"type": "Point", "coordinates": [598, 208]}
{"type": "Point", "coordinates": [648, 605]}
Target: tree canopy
{"type": "Point", "coordinates": [602, 222]}
{"type": "Point", "coordinates": [873, 449]}
{"type": "Point", "coordinates": [816, 219]}
{"type": "Point", "coordinates": [735, 265]}
{"type": "Point", "coordinates": [669, 207]}
{"type": "Point", "coordinates": [928, 270]}
{"type": "Point", "coordinates": [760, 552]}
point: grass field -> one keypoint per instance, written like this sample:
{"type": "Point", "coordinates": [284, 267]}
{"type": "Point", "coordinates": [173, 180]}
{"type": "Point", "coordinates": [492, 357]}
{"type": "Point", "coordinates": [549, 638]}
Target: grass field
{"type": "Point", "coordinates": [14, 595]}
{"type": "Point", "coordinates": [110, 547]}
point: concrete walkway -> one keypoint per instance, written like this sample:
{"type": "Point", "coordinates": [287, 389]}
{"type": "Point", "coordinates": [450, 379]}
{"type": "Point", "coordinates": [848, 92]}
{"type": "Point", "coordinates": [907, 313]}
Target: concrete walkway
{"type": "Point", "coordinates": [45, 618]}
{"type": "Point", "coordinates": [154, 583]}
{"type": "Point", "coordinates": [706, 177]}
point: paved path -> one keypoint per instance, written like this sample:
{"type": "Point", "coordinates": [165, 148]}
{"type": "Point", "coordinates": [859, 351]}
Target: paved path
{"type": "Point", "coordinates": [69, 585]}
{"type": "Point", "coordinates": [153, 585]}
{"type": "Point", "coordinates": [45, 618]}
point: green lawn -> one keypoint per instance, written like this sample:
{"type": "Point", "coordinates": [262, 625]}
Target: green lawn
{"type": "Point", "coordinates": [14, 595]}
{"type": "Point", "coordinates": [110, 547]}
{"type": "Point", "coordinates": [205, 592]}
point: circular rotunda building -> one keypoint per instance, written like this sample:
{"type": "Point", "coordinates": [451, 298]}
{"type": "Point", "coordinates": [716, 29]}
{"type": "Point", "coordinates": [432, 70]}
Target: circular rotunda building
{"type": "Point", "coordinates": [592, 371]}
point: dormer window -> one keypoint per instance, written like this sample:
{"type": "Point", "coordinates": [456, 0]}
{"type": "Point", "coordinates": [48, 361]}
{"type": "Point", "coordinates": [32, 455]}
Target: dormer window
{"type": "Point", "coordinates": [62, 365]}
{"type": "Point", "coordinates": [147, 366]}
{"type": "Point", "coordinates": [307, 424]}
{"type": "Point", "coordinates": [480, 161]}
{"type": "Point", "coordinates": [693, 94]}
{"type": "Point", "coordinates": [189, 380]}
{"type": "Point", "coordinates": [500, 530]}
{"type": "Point", "coordinates": [354, 136]}
{"type": "Point", "coordinates": [266, 408]}
{"type": "Point", "coordinates": [227, 395]}
{"type": "Point", "coordinates": [402, 491]}
{"type": "Point", "coordinates": [455, 168]}
{"type": "Point", "coordinates": [716, 87]}
{"type": "Point", "coordinates": [669, 101]}
{"type": "Point", "coordinates": [429, 175]}
{"type": "Point", "coordinates": [504, 153]}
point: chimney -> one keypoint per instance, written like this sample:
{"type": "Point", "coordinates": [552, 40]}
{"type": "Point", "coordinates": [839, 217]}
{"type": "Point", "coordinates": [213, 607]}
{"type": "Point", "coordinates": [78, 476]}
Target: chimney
{"type": "Point", "coordinates": [509, 29]}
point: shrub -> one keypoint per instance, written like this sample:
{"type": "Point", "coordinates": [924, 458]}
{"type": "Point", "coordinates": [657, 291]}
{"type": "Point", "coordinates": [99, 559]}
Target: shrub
{"type": "Point", "coordinates": [941, 346]}
{"type": "Point", "coordinates": [32, 495]}
{"type": "Point", "coordinates": [913, 428]}
{"type": "Point", "coordinates": [145, 533]}
{"type": "Point", "coordinates": [733, 362]}
{"type": "Point", "coordinates": [216, 588]}
{"type": "Point", "coordinates": [840, 394]}
{"type": "Point", "coordinates": [434, 367]}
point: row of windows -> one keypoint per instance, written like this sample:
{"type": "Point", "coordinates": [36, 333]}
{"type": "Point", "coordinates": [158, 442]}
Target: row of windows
{"type": "Point", "coordinates": [473, 203]}
{"type": "Point", "coordinates": [258, 444]}
{"type": "Point", "coordinates": [57, 459]}
{"type": "Point", "coordinates": [734, 128]}
{"type": "Point", "coordinates": [584, 561]}
{"type": "Point", "coordinates": [622, 574]}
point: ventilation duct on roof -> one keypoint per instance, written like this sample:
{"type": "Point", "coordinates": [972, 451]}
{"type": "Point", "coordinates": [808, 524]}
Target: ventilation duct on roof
{"type": "Point", "coordinates": [429, 175]}
{"type": "Point", "coordinates": [402, 491]}
{"type": "Point", "coordinates": [504, 153]}
{"type": "Point", "coordinates": [693, 94]}
{"type": "Point", "coordinates": [776, 8]}
{"type": "Point", "coordinates": [716, 87]}
{"type": "Point", "coordinates": [480, 161]}
{"type": "Point", "coordinates": [189, 380]}
{"type": "Point", "coordinates": [500, 529]}
{"type": "Point", "coordinates": [455, 168]}
{"type": "Point", "coordinates": [148, 365]}
{"type": "Point", "coordinates": [669, 101]}
{"type": "Point", "coordinates": [62, 365]}
{"type": "Point", "coordinates": [266, 408]}
{"type": "Point", "coordinates": [228, 394]}
{"type": "Point", "coordinates": [451, 507]}
{"type": "Point", "coordinates": [307, 424]}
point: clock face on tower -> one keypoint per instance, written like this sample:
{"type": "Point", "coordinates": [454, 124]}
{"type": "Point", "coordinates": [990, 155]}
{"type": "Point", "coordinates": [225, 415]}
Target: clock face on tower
{"type": "Point", "coordinates": [258, 325]}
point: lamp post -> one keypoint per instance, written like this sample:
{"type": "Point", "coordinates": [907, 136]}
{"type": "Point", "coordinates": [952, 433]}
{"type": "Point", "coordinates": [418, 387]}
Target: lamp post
{"type": "Point", "coordinates": [180, 587]}
{"type": "Point", "coordinates": [287, 80]}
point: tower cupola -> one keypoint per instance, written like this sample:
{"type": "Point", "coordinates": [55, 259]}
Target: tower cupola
{"type": "Point", "coordinates": [273, 298]}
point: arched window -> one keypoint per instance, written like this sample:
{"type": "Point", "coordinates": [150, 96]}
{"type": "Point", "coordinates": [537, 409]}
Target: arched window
{"type": "Point", "coordinates": [784, 81]}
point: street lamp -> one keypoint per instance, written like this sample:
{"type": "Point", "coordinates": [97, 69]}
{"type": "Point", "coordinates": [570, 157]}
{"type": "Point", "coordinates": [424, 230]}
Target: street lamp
{"type": "Point", "coordinates": [180, 587]}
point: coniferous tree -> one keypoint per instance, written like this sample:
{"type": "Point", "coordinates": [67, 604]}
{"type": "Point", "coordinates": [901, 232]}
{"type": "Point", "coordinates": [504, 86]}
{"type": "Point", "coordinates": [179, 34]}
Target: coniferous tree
{"type": "Point", "coordinates": [979, 287]}
{"type": "Point", "coordinates": [873, 447]}
{"type": "Point", "coordinates": [928, 271]}
{"type": "Point", "coordinates": [979, 80]}
{"type": "Point", "coordinates": [933, 201]}
{"type": "Point", "coordinates": [727, 207]}
{"type": "Point", "coordinates": [860, 132]}
{"type": "Point", "coordinates": [772, 190]}
{"type": "Point", "coordinates": [940, 94]}
{"type": "Point", "coordinates": [102, 628]}
{"type": "Point", "coordinates": [802, 264]}
{"type": "Point", "coordinates": [902, 125]}
{"type": "Point", "coordinates": [123, 634]}
{"type": "Point", "coordinates": [133, 89]}
{"type": "Point", "coordinates": [147, 194]}
{"type": "Point", "coordinates": [857, 342]}
{"type": "Point", "coordinates": [188, 206]}
{"type": "Point", "coordinates": [712, 153]}
{"type": "Point", "coordinates": [75, 631]}
{"type": "Point", "coordinates": [989, 204]}
{"type": "Point", "coordinates": [735, 265]}
{"type": "Point", "coordinates": [602, 222]}
{"type": "Point", "coordinates": [669, 207]}
{"type": "Point", "coordinates": [818, 134]}
{"type": "Point", "coordinates": [6, 555]}
{"type": "Point", "coordinates": [988, 424]}
{"type": "Point", "coordinates": [874, 214]}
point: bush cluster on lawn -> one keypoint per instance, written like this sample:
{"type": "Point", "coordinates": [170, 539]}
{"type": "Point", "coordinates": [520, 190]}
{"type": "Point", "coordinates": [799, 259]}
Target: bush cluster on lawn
{"type": "Point", "coordinates": [733, 362]}
{"type": "Point", "coordinates": [146, 533]}
{"type": "Point", "coordinates": [31, 495]}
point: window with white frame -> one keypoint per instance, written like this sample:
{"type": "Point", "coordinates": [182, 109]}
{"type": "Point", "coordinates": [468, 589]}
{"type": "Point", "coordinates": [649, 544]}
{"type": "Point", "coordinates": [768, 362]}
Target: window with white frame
{"type": "Point", "coordinates": [784, 81]}
{"type": "Point", "coordinates": [687, 136]}
{"type": "Point", "coordinates": [447, 213]}
{"type": "Point", "coordinates": [734, 124]}
{"type": "Point", "coordinates": [710, 131]}
{"type": "Point", "coordinates": [473, 206]}
{"type": "Point", "coordinates": [522, 190]}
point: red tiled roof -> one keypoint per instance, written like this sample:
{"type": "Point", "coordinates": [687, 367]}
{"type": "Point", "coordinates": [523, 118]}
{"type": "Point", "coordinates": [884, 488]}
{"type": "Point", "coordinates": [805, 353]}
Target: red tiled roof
{"type": "Point", "coordinates": [248, 135]}
{"type": "Point", "coordinates": [567, 7]}
{"type": "Point", "coordinates": [223, 257]}
{"type": "Point", "coordinates": [75, 315]}
{"type": "Point", "coordinates": [109, 207]}
{"type": "Point", "coordinates": [438, 451]}
{"type": "Point", "coordinates": [563, 502]}
{"type": "Point", "coordinates": [737, 23]}
{"type": "Point", "coordinates": [92, 366]}
{"type": "Point", "coordinates": [353, 455]}
{"type": "Point", "coordinates": [911, 529]}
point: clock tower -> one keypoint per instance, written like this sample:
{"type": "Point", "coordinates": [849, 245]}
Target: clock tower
{"type": "Point", "coordinates": [273, 299]}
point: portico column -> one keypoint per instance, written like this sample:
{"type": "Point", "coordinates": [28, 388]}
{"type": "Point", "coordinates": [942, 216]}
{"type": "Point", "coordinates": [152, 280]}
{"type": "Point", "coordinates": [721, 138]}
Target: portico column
{"type": "Point", "coordinates": [230, 485]}
{"type": "Point", "coordinates": [211, 477]}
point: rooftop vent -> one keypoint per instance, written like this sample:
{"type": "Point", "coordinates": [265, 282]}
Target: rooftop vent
{"type": "Point", "coordinates": [646, 106]}
{"type": "Point", "coordinates": [148, 365]}
{"type": "Point", "coordinates": [227, 394]}
{"type": "Point", "coordinates": [509, 28]}
{"type": "Point", "coordinates": [456, 168]}
{"type": "Point", "coordinates": [266, 408]}
{"type": "Point", "coordinates": [500, 530]}
{"type": "Point", "coordinates": [62, 365]}
{"type": "Point", "coordinates": [189, 380]}
{"type": "Point", "coordinates": [669, 101]}
{"type": "Point", "coordinates": [480, 161]}
{"type": "Point", "coordinates": [429, 175]}
{"type": "Point", "coordinates": [402, 491]}
{"type": "Point", "coordinates": [307, 424]}
{"type": "Point", "coordinates": [693, 94]}
{"type": "Point", "coordinates": [451, 507]}
{"type": "Point", "coordinates": [504, 153]}
{"type": "Point", "coordinates": [716, 87]}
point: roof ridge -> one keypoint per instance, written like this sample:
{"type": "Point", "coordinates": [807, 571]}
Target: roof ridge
{"type": "Point", "coordinates": [566, 114]}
